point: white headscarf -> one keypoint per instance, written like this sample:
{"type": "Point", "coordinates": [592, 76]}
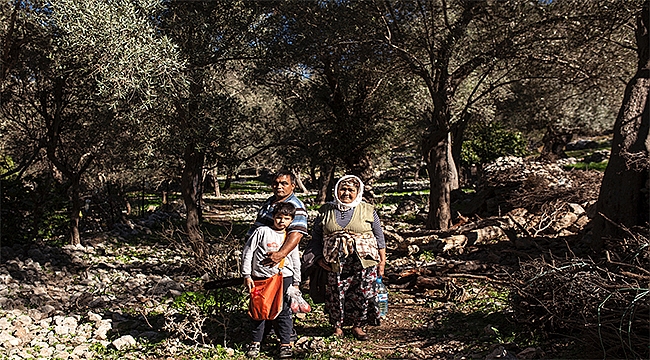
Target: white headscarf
{"type": "Point", "coordinates": [342, 206]}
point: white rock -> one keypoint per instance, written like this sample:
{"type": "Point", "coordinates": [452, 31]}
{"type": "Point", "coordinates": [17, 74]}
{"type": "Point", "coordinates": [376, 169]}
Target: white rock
{"type": "Point", "coordinates": [63, 355]}
{"type": "Point", "coordinates": [124, 342]}
{"type": "Point", "coordinates": [24, 320]}
{"type": "Point", "coordinates": [94, 317]}
{"type": "Point", "coordinates": [103, 327]}
{"type": "Point", "coordinates": [7, 340]}
{"type": "Point", "coordinates": [80, 350]}
{"type": "Point", "coordinates": [46, 352]}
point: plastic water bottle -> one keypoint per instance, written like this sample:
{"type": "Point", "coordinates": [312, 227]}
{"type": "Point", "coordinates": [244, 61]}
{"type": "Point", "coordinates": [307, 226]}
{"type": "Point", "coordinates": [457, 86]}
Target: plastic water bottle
{"type": "Point", "coordinates": [382, 298]}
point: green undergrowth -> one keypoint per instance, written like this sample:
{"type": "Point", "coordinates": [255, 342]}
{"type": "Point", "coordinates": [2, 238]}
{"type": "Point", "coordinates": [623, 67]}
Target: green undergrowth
{"type": "Point", "coordinates": [600, 166]}
{"type": "Point", "coordinates": [484, 319]}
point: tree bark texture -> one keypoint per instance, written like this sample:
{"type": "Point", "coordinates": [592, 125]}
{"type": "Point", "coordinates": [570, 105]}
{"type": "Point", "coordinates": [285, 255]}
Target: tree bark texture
{"type": "Point", "coordinates": [190, 188]}
{"type": "Point", "coordinates": [439, 217]}
{"type": "Point", "coordinates": [325, 181]}
{"type": "Point", "coordinates": [217, 190]}
{"type": "Point", "coordinates": [75, 202]}
{"type": "Point", "coordinates": [622, 198]}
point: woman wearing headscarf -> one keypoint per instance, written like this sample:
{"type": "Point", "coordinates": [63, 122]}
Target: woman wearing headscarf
{"type": "Point", "coordinates": [348, 242]}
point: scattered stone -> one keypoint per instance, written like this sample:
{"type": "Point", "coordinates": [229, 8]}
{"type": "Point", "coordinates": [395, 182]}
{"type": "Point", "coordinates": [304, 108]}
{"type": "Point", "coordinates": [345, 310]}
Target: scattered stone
{"type": "Point", "coordinates": [124, 342]}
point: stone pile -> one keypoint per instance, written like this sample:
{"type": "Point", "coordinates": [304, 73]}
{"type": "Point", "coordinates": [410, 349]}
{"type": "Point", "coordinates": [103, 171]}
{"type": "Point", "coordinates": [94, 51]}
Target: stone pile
{"type": "Point", "coordinates": [517, 169]}
{"type": "Point", "coordinates": [71, 302]}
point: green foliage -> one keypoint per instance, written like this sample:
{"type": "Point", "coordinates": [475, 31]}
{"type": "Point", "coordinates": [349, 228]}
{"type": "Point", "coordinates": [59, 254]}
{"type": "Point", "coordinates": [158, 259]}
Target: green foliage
{"type": "Point", "coordinates": [217, 301]}
{"type": "Point", "coordinates": [204, 301]}
{"type": "Point", "coordinates": [600, 166]}
{"type": "Point", "coordinates": [6, 164]}
{"type": "Point", "coordinates": [427, 255]}
{"type": "Point", "coordinates": [487, 142]}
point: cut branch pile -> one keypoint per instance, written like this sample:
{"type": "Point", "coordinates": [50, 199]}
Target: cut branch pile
{"type": "Point", "coordinates": [608, 302]}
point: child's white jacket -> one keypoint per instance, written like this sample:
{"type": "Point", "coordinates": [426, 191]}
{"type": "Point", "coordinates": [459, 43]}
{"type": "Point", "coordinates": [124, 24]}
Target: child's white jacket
{"type": "Point", "coordinates": [264, 240]}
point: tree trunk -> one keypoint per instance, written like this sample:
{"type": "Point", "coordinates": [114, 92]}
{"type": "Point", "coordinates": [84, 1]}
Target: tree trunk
{"type": "Point", "coordinates": [621, 198]}
{"type": "Point", "coordinates": [325, 182]}
{"type": "Point", "coordinates": [190, 188]}
{"type": "Point", "coordinates": [217, 190]}
{"type": "Point", "coordinates": [299, 184]}
{"type": "Point", "coordinates": [453, 170]}
{"type": "Point", "coordinates": [75, 202]}
{"type": "Point", "coordinates": [228, 182]}
{"type": "Point", "coordinates": [439, 217]}
{"type": "Point", "coordinates": [457, 136]}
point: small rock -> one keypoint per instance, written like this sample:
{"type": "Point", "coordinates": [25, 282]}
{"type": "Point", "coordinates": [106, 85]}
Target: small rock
{"type": "Point", "coordinates": [80, 350]}
{"type": "Point", "coordinates": [302, 340]}
{"type": "Point", "coordinates": [500, 353]}
{"type": "Point", "coordinates": [8, 340]}
{"type": "Point", "coordinates": [63, 355]}
{"type": "Point", "coordinates": [419, 354]}
{"type": "Point", "coordinates": [94, 317]}
{"type": "Point", "coordinates": [103, 327]}
{"type": "Point", "coordinates": [46, 352]}
{"type": "Point", "coordinates": [124, 342]}
{"type": "Point", "coordinates": [175, 293]}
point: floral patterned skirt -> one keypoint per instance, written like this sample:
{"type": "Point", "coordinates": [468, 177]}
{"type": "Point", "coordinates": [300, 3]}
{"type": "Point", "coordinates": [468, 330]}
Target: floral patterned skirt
{"type": "Point", "coordinates": [350, 297]}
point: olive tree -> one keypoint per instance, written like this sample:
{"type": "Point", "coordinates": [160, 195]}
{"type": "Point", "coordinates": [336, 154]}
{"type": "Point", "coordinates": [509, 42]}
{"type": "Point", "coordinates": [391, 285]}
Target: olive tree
{"type": "Point", "coordinates": [623, 198]}
{"type": "Point", "coordinates": [464, 51]}
{"type": "Point", "coordinates": [72, 92]}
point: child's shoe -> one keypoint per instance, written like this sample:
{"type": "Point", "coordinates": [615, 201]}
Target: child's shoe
{"type": "Point", "coordinates": [253, 350]}
{"type": "Point", "coordinates": [285, 352]}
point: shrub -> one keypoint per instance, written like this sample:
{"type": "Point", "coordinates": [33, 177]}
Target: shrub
{"type": "Point", "coordinates": [487, 142]}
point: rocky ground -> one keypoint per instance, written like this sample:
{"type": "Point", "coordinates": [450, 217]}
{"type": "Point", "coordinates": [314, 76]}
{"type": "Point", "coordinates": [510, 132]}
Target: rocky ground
{"type": "Point", "coordinates": [124, 294]}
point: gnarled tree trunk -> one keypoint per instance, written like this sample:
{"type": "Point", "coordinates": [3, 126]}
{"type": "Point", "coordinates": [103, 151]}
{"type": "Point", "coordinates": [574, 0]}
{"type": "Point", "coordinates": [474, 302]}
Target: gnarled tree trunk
{"type": "Point", "coordinates": [440, 182]}
{"type": "Point", "coordinates": [191, 191]}
{"type": "Point", "coordinates": [325, 182]}
{"type": "Point", "coordinates": [621, 198]}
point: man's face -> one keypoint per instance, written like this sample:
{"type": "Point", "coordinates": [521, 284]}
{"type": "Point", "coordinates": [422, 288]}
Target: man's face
{"type": "Point", "coordinates": [282, 186]}
{"type": "Point", "coordinates": [280, 222]}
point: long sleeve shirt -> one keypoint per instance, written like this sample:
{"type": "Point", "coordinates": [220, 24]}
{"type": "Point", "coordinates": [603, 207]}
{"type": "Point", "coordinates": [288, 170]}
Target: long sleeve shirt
{"type": "Point", "coordinates": [262, 241]}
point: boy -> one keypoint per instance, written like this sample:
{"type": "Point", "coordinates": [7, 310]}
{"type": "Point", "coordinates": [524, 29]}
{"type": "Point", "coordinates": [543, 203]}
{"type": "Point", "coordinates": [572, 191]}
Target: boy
{"type": "Point", "coordinates": [266, 240]}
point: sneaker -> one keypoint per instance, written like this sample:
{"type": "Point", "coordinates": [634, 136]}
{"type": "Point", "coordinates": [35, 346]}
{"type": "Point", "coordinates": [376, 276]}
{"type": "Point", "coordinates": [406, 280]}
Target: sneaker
{"type": "Point", "coordinates": [253, 350]}
{"type": "Point", "coordinates": [285, 352]}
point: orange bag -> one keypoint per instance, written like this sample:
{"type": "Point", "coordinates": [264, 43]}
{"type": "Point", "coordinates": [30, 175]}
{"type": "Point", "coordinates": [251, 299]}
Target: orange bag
{"type": "Point", "coordinates": [266, 297]}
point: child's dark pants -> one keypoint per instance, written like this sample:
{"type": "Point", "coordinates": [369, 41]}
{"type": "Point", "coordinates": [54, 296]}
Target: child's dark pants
{"type": "Point", "coordinates": [283, 323]}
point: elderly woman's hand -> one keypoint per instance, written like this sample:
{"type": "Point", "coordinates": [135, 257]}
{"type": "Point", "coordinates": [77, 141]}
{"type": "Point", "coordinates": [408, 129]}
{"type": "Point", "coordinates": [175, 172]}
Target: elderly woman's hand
{"type": "Point", "coordinates": [324, 264]}
{"type": "Point", "coordinates": [382, 262]}
{"type": "Point", "coordinates": [380, 269]}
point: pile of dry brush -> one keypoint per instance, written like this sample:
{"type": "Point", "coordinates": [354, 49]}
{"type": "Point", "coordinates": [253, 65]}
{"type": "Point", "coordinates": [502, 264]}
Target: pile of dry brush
{"type": "Point", "coordinates": [606, 302]}
{"type": "Point", "coordinates": [604, 299]}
